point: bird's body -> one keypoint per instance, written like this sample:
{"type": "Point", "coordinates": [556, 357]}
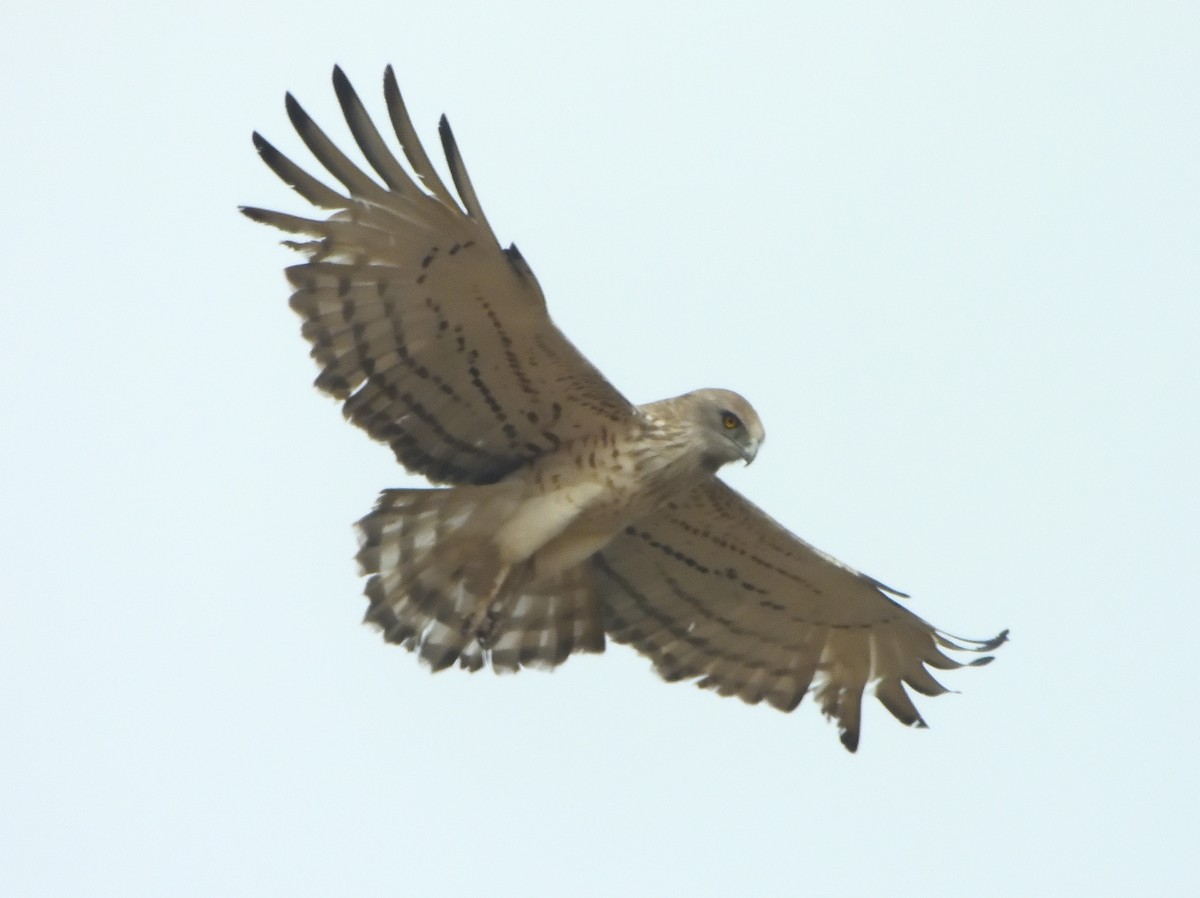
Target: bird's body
{"type": "Point", "coordinates": [571, 513]}
{"type": "Point", "coordinates": [564, 520]}
{"type": "Point", "coordinates": [635, 469]}
{"type": "Point", "coordinates": [525, 534]}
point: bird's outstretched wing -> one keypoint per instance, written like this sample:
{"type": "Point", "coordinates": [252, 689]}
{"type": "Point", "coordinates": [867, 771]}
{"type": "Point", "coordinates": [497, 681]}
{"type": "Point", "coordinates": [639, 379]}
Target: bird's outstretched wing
{"type": "Point", "coordinates": [714, 590]}
{"type": "Point", "coordinates": [435, 337]}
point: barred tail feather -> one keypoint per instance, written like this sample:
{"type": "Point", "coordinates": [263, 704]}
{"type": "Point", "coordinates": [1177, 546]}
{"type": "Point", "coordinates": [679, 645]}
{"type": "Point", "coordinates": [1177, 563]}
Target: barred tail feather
{"type": "Point", "coordinates": [430, 560]}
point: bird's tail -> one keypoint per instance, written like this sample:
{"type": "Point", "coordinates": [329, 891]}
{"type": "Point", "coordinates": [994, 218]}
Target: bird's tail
{"type": "Point", "coordinates": [431, 563]}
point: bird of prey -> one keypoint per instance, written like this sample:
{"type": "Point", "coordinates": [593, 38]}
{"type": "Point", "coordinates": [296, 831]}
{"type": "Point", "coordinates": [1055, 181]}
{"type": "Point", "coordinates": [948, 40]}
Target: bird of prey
{"type": "Point", "coordinates": [572, 515]}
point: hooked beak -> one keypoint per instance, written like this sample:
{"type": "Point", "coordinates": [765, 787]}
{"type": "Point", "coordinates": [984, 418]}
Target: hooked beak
{"type": "Point", "coordinates": [750, 450]}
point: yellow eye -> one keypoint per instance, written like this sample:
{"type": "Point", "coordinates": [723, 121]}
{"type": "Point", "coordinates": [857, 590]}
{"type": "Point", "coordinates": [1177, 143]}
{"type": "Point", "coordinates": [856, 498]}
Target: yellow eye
{"type": "Point", "coordinates": [730, 421]}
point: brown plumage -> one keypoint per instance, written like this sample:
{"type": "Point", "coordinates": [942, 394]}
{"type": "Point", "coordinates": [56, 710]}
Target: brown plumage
{"type": "Point", "coordinates": [572, 513]}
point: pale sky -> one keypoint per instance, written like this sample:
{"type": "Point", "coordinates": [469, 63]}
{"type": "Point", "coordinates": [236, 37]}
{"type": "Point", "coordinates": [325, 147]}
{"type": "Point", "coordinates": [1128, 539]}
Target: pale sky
{"type": "Point", "coordinates": [950, 251]}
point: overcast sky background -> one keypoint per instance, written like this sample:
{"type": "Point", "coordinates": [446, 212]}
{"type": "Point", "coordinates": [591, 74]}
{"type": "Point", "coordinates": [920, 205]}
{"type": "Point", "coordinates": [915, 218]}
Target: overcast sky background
{"type": "Point", "coordinates": [950, 251]}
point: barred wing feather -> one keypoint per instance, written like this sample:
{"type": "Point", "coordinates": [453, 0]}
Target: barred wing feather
{"type": "Point", "coordinates": [436, 338]}
{"type": "Point", "coordinates": [714, 590]}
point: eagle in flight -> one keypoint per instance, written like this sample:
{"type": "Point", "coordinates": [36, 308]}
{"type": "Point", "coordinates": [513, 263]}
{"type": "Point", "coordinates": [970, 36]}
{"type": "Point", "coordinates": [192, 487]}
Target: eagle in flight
{"type": "Point", "coordinates": [571, 515]}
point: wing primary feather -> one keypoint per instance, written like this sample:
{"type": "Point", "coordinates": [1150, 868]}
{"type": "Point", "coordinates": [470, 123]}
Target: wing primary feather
{"type": "Point", "coordinates": [962, 644]}
{"type": "Point", "coordinates": [887, 666]}
{"type": "Point", "coordinates": [329, 232]}
{"type": "Point", "coordinates": [297, 178]}
{"type": "Point", "coordinates": [892, 696]}
{"type": "Point", "coordinates": [292, 224]}
{"type": "Point", "coordinates": [337, 162]}
{"type": "Point", "coordinates": [369, 140]}
{"type": "Point", "coordinates": [921, 680]}
{"type": "Point", "coordinates": [414, 152]}
{"type": "Point", "coordinates": [518, 261]}
{"type": "Point", "coordinates": [888, 589]}
{"type": "Point", "coordinates": [458, 171]}
{"type": "Point", "coordinates": [849, 737]}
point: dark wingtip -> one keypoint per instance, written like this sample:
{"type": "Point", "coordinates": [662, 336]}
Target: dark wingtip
{"type": "Point", "coordinates": [261, 144]}
{"type": "Point", "coordinates": [390, 84]}
{"type": "Point", "coordinates": [994, 643]}
{"type": "Point", "coordinates": [517, 261]}
{"type": "Point", "coordinates": [849, 739]}
{"type": "Point", "coordinates": [296, 113]}
{"type": "Point", "coordinates": [449, 146]}
{"type": "Point", "coordinates": [449, 149]}
{"type": "Point", "coordinates": [341, 84]}
{"type": "Point", "coordinates": [267, 152]}
{"type": "Point", "coordinates": [891, 590]}
{"type": "Point", "coordinates": [255, 214]}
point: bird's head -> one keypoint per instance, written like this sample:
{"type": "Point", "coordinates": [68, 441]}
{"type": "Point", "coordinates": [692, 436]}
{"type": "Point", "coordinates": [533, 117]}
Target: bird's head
{"type": "Point", "coordinates": [731, 427]}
